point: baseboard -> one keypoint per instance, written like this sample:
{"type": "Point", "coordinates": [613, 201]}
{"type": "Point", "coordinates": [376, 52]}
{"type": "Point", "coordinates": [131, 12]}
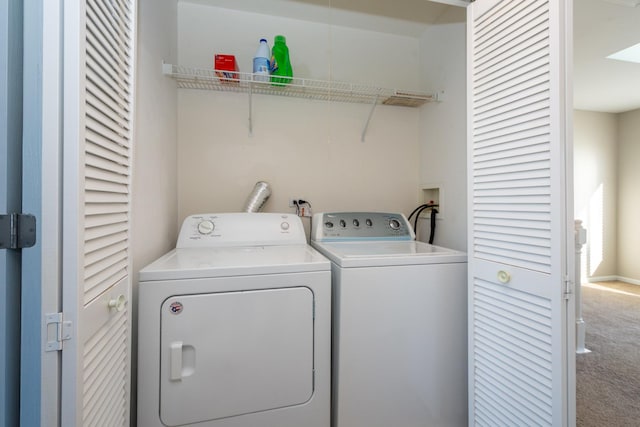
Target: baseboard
{"type": "Point", "coordinates": [613, 279]}
{"type": "Point", "coordinates": [628, 280]}
{"type": "Point", "coordinates": [602, 279]}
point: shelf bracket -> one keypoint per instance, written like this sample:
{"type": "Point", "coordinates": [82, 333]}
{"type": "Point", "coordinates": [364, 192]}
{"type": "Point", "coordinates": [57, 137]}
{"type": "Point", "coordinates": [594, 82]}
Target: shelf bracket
{"type": "Point", "coordinates": [366, 125]}
{"type": "Point", "coordinates": [250, 109]}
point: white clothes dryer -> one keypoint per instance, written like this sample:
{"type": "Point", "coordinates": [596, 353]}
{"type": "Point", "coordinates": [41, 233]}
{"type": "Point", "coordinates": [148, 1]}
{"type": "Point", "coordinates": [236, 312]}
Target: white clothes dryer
{"type": "Point", "coordinates": [234, 326]}
{"type": "Point", "coordinates": [399, 323]}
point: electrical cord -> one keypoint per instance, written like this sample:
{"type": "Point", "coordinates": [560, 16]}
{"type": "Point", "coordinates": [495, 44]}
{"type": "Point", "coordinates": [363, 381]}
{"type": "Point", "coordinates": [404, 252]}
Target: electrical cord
{"type": "Point", "coordinates": [300, 212]}
{"type": "Point", "coordinates": [415, 221]}
{"type": "Point", "coordinates": [416, 210]}
{"type": "Point", "coordinates": [432, 233]}
{"type": "Point", "coordinates": [299, 204]}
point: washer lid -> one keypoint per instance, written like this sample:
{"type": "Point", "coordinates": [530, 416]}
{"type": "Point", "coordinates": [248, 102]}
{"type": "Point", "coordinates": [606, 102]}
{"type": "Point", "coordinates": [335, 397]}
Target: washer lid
{"type": "Point", "coordinates": [387, 253]}
{"type": "Point", "coordinates": [194, 263]}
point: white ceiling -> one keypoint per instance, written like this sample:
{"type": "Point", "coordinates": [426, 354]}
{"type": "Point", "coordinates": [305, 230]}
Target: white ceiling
{"type": "Point", "coordinates": [601, 27]}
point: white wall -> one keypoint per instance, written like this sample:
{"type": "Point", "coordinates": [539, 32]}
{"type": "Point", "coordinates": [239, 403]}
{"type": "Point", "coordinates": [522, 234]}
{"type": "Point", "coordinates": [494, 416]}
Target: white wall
{"type": "Point", "coordinates": [154, 206]}
{"type": "Point", "coordinates": [155, 169]}
{"type": "Point", "coordinates": [629, 196]}
{"type": "Point", "coordinates": [606, 197]}
{"type": "Point", "coordinates": [596, 188]}
{"type": "Point", "coordinates": [443, 130]}
{"type": "Point", "coordinates": [308, 149]}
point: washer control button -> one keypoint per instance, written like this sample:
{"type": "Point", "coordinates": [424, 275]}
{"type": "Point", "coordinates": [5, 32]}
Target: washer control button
{"type": "Point", "coordinates": [284, 225]}
{"type": "Point", "coordinates": [369, 222]}
{"type": "Point", "coordinates": [356, 223]}
{"type": "Point", "coordinates": [343, 223]}
{"type": "Point", "coordinates": [206, 227]}
{"type": "Point", "coordinates": [328, 224]}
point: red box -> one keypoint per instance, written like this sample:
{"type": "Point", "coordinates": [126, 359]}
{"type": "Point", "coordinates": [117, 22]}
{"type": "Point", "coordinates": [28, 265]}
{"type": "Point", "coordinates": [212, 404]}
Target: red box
{"type": "Point", "coordinates": [224, 65]}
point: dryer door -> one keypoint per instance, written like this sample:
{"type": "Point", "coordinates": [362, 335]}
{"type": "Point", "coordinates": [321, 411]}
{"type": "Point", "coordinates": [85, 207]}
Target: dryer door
{"type": "Point", "coordinates": [233, 353]}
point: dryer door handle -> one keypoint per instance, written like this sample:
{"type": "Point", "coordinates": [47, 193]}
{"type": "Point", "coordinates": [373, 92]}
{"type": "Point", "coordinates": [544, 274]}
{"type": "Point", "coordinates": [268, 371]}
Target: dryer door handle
{"type": "Point", "coordinates": [175, 359]}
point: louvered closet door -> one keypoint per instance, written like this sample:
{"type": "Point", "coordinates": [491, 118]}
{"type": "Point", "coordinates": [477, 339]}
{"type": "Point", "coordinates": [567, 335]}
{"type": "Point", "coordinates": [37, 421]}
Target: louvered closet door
{"type": "Point", "coordinates": [99, 38]}
{"type": "Point", "coordinates": [517, 255]}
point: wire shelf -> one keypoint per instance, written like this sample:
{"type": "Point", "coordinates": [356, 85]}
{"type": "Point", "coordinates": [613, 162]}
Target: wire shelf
{"type": "Point", "coordinates": [207, 79]}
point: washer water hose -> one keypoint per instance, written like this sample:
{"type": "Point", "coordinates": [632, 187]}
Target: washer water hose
{"type": "Point", "coordinates": [418, 211]}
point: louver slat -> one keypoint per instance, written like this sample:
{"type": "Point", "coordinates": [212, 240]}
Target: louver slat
{"type": "Point", "coordinates": [98, 104]}
{"type": "Point", "coordinates": [518, 342]}
{"type": "Point", "coordinates": [494, 75]}
{"type": "Point", "coordinates": [110, 31]}
{"type": "Point", "coordinates": [105, 218]}
{"type": "Point", "coordinates": [105, 230]}
{"type": "Point", "coordinates": [103, 129]}
{"type": "Point", "coordinates": [98, 99]}
{"type": "Point", "coordinates": [106, 174]}
{"type": "Point", "coordinates": [104, 277]}
{"type": "Point", "coordinates": [101, 57]}
{"type": "Point", "coordinates": [502, 33]}
{"type": "Point", "coordinates": [104, 376]}
{"type": "Point", "coordinates": [115, 83]}
{"type": "Point", "coordinates": [105, 208]}
{"type": "Point", "coordinates": [104, 241]}
{"type": "Point", "coordinates": [98, 60]}
{"type": "Point", "coordinates": [530, 51]}
{"type": "Point", "coordinates": [118, 171]}
{"type": "Point", "coordinates": [98, 197]}
{"type": "Point", "coordinates": [506, 126]}
{"type": "Point", "coordinates": [509, 145]}
{"type": "Point", "coordinates": [106, 148]}
{"type": "Point", "coordinates": [100, 114]}
{"type": "Point", "coordinates": [106, 252]}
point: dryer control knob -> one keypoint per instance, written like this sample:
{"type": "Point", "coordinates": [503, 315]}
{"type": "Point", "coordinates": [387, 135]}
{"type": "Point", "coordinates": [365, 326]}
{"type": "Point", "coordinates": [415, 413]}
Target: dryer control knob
{"type": "Point", "coordinates": [394, 224]}
{"type": "Point", "coordinates": [206, 227]}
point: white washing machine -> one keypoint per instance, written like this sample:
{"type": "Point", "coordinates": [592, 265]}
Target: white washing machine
{"type": "Point", "coordinates": [399, 323]}
{"type": "Point", "coordinates": [234, 326]}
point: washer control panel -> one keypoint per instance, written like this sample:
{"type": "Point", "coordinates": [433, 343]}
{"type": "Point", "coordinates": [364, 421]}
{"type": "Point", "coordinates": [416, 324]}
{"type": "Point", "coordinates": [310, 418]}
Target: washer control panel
{"type": "Point", "coordinates": [240, 229]}
{"type": "Point", "coordinates": [337, 226]}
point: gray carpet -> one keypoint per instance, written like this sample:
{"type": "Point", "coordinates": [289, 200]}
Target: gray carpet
{"type": "Point", "coordinates": [608, 378]}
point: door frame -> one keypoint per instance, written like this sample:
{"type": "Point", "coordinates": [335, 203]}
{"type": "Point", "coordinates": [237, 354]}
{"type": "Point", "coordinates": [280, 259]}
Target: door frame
{"type": "Point", "coordinates": [42, 139]}
{"type": "Point", "coordinates": [10, 202]}
{"type": "Point", "coordinates": [570, 257]}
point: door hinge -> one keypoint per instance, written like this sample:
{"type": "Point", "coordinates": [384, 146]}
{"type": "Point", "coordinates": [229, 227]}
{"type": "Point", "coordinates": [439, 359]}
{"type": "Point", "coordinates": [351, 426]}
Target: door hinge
{"type": "Point", "coordinates": [568, 288]}
{"type": "Point", "coordinates": [17, 231]}
{"type": "Point", "coordinates": [61, 330]}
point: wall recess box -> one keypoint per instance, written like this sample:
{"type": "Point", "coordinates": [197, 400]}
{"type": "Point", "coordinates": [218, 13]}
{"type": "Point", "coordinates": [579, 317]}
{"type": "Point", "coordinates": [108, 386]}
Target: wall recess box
{"type": "Point", "coordinates": [431, 193]}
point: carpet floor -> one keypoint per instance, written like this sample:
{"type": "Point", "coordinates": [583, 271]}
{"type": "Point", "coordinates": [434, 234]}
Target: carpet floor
{"type": "Point", "coordinates": [608, 378]}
